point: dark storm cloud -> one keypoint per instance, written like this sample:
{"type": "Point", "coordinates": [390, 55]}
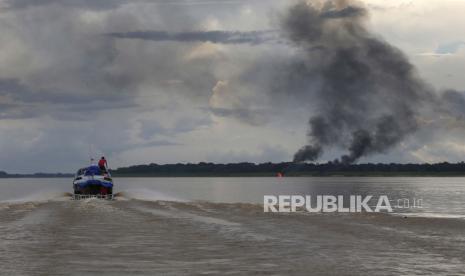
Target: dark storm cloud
{"type": "Point", "coordinates": [118, 148]}
{"type": "Point", "coordinates": [17, 91]}
{"type": "Point", "coordinates": [15, 111]}
{"type": "Point", "coordinates": [150, 128]}
{"type": "Point", "coordinates": [90, 4]}
{"type": "Point", "coordinates": [224, 37]}
{"type": "Point", "coordinates": [246, 115]}
{"type": "Point", "coordinates": [109, 4]}
{"type": "Point", "coordinates": [67, 78]}
{"type": "Point", "coordinates": [78, 71]}
{"type": "Point", "coordinates": [75, 72]}
{"type": "Point", "coordinates": [26, 102]}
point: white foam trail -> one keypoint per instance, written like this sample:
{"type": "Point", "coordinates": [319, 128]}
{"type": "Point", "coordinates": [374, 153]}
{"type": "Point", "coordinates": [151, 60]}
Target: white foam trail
{"type": "Point", "coordinates": [38, 216]}
{"type": "Point", "coordinates": [39, 197]}
{"type": "Point", "coordinates": [176, 213]}
{"type": "Point", "coordinates": [430, 215]}
{"type": "Point", "coordinates": [147, 195]}
{"type": "Point", "coordinates": [230, 229]}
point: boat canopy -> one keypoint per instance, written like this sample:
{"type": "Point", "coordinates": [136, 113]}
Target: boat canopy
{"type": "Point", "coordinates": [93, 170]}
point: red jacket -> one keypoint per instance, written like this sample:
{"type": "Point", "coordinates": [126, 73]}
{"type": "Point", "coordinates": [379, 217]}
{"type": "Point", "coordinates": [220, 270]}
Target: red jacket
{"type": "Point", "coordinates": [102, 162]}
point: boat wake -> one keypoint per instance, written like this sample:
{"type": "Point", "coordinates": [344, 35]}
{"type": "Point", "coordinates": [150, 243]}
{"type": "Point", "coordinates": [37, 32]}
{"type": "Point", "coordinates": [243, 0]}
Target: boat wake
{"type": "Point", "coordinates": [146, 195]}
{"type": "Point", "coordinates": [38, 197]}
{"type": "Point", "coordinates": [147, 232]}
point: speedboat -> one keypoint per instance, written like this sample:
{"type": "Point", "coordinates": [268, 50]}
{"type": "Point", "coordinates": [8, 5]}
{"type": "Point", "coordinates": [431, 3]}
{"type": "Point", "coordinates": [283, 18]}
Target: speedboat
{"type": "Point", "coordinates": [92, 182]}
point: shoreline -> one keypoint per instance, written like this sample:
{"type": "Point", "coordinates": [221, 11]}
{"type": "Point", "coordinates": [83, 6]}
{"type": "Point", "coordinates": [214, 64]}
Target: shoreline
{"type": "Point", "coordinates": [394, 175]}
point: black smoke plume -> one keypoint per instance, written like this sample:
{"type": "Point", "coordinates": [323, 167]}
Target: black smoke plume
{"type": "Point", "coordinates": [367, 93]}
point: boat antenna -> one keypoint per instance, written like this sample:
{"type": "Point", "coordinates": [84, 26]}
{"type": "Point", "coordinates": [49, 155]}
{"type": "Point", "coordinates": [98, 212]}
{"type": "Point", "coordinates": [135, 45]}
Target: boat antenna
{"type": "Point", "coordinates": [90, 155]}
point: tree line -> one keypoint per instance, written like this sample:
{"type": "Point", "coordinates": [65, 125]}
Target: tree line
{"type": "Point", "coordinates": [275, 169]}
{"type": "Point", "coordinates": [290, 169]}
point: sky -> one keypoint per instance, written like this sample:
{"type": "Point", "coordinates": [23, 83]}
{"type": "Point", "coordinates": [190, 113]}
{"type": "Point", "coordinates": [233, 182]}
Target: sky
{"type": "Point", "coordinates": [189, 81]}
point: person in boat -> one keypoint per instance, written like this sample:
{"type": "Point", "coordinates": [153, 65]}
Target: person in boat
{"type": "Point", "coordinates": [102, 164]}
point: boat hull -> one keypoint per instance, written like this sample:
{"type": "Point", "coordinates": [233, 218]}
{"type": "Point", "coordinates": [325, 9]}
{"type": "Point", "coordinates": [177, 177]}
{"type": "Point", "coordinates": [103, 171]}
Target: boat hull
{"type": "Point", "coordinates": [92, 182]}
{"type": "Point", "coordinates": [86, 196]}
{"type": "Point", "coordinates": [84, 183]}
{"type": "Point", "coordinates": [93, 187]}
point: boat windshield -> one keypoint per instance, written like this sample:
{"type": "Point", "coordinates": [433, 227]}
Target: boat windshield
{"type": "Point", "coordinates": [93, 170]}
{"type": "Point", "coordinates": [81, 171]}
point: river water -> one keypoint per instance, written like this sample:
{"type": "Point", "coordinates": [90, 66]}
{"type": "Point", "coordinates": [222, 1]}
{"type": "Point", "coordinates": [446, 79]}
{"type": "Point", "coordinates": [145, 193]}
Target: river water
{"type": "Point", "coordinates": [195, 226]}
